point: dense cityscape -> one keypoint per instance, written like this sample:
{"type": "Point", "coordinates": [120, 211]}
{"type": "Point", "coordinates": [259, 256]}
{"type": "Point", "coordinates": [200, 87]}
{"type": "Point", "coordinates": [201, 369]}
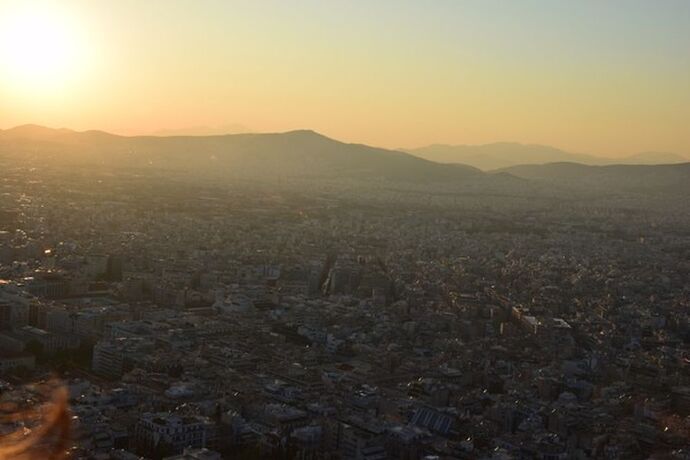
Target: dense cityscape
{"type": "Point", "coordinates": [248, 320]}
{"type": "Point", "coordinates": [344, 230]}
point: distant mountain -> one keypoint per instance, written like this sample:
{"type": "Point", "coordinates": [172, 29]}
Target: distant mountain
{"type": "Point", "coordinates": [504, 154]}
{"type": "Point", "coordinates": [295, 153]}
{"type": "Point", "coordinates": [673, 178]}
{"type": "Point", "coordinates": [496, 155]}
{"type": "Point", "coordinates": [307, 154]}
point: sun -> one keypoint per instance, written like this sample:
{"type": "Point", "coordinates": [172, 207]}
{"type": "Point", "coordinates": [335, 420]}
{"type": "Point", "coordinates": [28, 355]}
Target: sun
{"type": "Point", "coordinates": [39, 47]}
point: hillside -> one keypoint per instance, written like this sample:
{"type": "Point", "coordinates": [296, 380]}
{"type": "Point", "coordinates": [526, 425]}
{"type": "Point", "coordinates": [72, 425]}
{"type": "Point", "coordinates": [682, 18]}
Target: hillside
{"type": "Point", "coordinates": [296, 153]}
{"type": "Point", "coordinates": [309, 155]}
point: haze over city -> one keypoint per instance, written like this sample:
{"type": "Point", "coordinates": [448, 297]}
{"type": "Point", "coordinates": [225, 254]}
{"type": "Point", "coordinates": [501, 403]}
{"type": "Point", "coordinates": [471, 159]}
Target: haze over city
{"type": "Point", "coordinates": [344, 230]}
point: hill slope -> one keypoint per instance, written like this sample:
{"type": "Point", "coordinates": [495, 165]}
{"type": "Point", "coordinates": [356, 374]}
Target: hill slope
{"type": "Point", "coordinates": [296, 153]}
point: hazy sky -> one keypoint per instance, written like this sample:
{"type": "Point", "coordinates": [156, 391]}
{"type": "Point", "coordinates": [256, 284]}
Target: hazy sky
{"type": "Point", "coordinates": [608, 77]}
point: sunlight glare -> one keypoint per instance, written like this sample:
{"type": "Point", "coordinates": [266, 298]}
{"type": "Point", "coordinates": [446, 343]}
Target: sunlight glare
{"type": "Point", "coordinates": [39, 48]}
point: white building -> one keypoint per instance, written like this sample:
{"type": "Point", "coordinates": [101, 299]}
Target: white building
{"type": "Point", "coordinates": [110, 357]}
{"type": "Point", "coordinates": [173, 432]}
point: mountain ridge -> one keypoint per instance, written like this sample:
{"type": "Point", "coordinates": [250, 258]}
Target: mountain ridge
{"type": "Point", "coordinates": [297, 152]}
{"type": "Point", "coordinates": [499, 155]}
{"type": "Point", "coordinates": [306, 153]}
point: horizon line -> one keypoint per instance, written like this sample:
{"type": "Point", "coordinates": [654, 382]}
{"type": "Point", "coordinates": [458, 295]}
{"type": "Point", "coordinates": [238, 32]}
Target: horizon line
{"type": "Point", "coordinates": [308, 130]}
